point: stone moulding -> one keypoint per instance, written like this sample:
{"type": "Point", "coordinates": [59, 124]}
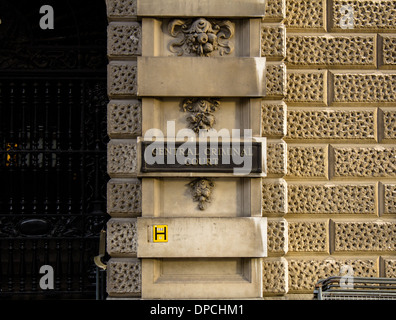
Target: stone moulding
{"type": "Point", "coordinates": [202, 112]}
{"type": "Point", "coordinates": [201, 190]}
{"type": "Point", "coordinates": [205, 8]}
{"type": "Point", "coordinates": [201, 37]}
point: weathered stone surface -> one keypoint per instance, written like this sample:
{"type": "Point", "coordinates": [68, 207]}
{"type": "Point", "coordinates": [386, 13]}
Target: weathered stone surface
{"type": "Point", "coordinates": [390, 198]}
{"type": "Point", "coordinates": [306, 86]}
{"type": "Point", "coordinates": [276, 80]}
{"type": "Point", "coordinates": [121, 8]}
{"type": "Point", "coordinates": [273, 118]}
{"type": "Point", "coordinates": [277, 236]}
{"type": "Point", "coordinates": [301, 14]}
{"type": "Point", "coordinates": [124, 197]}
{"type": "Point", "coordinates": [330, 124]}
{"type": "Point", "coordinates": [377, 161]}
{"type": "Point", "coordinates": [273, 41]}
{"type": "Point", "coordinates": [124, 277]}
{"type": "Point", "coordinates": [305, 273]}
{"type": "Point", "coordinates": [276, 157]}
{"type": "Point", "coordinates": [122, 79]}
{"type": "Point", "coordinates": [124, 39]}
{"type": "Point", "coordinates": [274, 196]}
{"type": "Point", "coordinates": [388, 49]}
{"type": "Point", "coordinates": [365, 236]}
{"type": "Point", "coordinates": [331, 50]}
{"type": "Point", "coordinates": [331, 198]}
{"type": "Point", "coordinates": [275, 276]}
{"type": "Point", "coordinates": [390, 267]}
{"type": "Point", "coordinates": [308, 236]}
{"type": "Point", "coordinates": [124, 119]}
{"type": "Point", "coordinates": [364, 87]}
{"type": "Point", "coordinates": [307, 161]}
{"type": "Point", "coordinates": [122, 158]}
{"type": "Point", "coordinates": [368, 14]}
{"type": "Point", "coordinates": [389, 120]}
{"type": "Point", "coordinates": [122, 237]}
{"type": "Point", "coordinates": [275, 10]}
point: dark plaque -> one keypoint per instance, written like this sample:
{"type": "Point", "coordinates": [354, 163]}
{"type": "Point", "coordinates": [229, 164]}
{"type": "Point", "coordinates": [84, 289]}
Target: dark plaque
{"type": "Point", "coordinates": [196, 157]}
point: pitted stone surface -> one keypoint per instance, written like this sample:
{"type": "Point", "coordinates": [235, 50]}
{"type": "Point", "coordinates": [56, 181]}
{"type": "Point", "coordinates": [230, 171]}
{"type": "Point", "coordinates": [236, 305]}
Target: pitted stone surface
{"type": "Point", "coordinates": [365, 236]}
{"type": "Point", "coordinates": [274, 196]}
{"type": "Point", "coordinates": [330, 50]}
{"type": "Point", "coordinates": [122, 236]}
{"type": "Point", "coordinates": [277, 236]}
{"type": "Point", "coordinates": [306, 86]}
{"type": "Point", "coordinates": [124, 277]}
{"type": "Point", "coordinates": [124, 197]}
{"type": "Point", "coordinates": [331, 199]}
{"type": "Point", "coordinates": [365, 87]}
{"type": "Point", "coordinates": [275, 276]}
{"type": "Point", "coordinates": [273, 118]}
{"type": "Point", "coordinates": [379, 161]}
{"type": "Point", "coordinates": [124, 119]}
{"type": "Point", "coordinates": [330, 124]}
{"type": "Point", "coordinates": [305, 273]}
{"type": "Point", "coordinates": [307, 236]}
{"type": "Point", "coordinates": [124, 39]}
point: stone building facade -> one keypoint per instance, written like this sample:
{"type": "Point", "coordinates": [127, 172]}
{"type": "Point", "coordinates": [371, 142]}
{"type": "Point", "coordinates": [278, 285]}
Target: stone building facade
{"type": "Point", "coordinates": [327, 110]}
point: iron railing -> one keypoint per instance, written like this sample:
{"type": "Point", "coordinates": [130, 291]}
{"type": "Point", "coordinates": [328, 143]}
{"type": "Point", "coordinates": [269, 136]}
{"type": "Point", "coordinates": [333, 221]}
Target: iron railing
{"type": "Point", "coordinates": [360, 288]}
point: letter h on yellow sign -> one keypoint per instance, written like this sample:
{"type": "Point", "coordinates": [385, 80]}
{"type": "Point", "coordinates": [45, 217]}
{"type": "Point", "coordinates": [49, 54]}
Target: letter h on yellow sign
{"type": "Point", "coordinates": [160, 233]}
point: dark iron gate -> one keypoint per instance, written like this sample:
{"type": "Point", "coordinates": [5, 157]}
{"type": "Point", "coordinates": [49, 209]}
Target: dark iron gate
{"type": "Point", "coordinates": [52, 147]}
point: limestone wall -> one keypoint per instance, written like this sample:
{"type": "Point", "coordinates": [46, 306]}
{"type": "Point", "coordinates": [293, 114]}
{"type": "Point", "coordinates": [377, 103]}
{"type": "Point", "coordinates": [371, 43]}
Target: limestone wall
{"type": "Point", "coordinates": [329, 117]}
{"type": "Point", "coordinates": [341, 165]}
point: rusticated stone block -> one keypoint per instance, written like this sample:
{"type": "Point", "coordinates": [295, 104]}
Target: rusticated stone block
{"type": "Point", "coordinates": [364, 87]}
{"type": "Point", "coordinates": [273, 41]}
{"type": "Point", "coordinates": [124, 119]}
{"type": "Point", "coordinates": [124, 277]}
{"type": "Point", "coordinates": [277, 236]}
{"type": "Point", "coordinates": [275, 276]}
{"type": "Point", "coordinates": [121, 8]}
{"type": "Point", "coordinates": [273, 118]}
{"type": "Point", "coordinates": [302, 14]}
{"type": "Point", "coordinates": [389, 120]}
{"type": "Point", "coordinates": [306, 86]}
{"type": "Point", "coordinates": [378, 161]}
{"type": "Point", "coordinates": [122, 158]}
{"type": "Point", "coordinates": [124, 39]}
{"type": "Point", "coordinates": [305, 273]}
{"type": "Point", "coordinates": [309, 236]}
{"type": "Point", "coordinates": [390, 267]}
{"type": "Point", "coordinates": [275, 80]}
{"type": "Point", "coordinates": [331, 124]}
{"type": "Point", "coordinates": [365, 236]}
{"type": "Point", "coordinates": [307, 161]}
{"type": "Point", "coordinates": [388, 49]}
{"type": "Point", "coordinates": [390, 198]}
{"type": "Point", "coordinates": [274, 196]}
{"type": "Point", "coordinates": [276, 157]}
{"type": "Point", "coordinates": [122, 79]}
{"type": "Point", "coordinates": [122, 237]}
{"type": "Point", "coordinates": [330, 198]}
{"type": "Point", "coordinates": [275, 10]}
{"type": "Point", "coordinates": [124, 197]}
{"type": "Point", "coordinates": [368, 14]}
{"type": "Point", "coordinates": [325, 50]}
